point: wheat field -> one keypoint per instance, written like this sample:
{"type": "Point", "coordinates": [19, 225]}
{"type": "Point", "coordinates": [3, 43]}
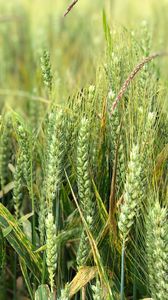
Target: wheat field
{"type": "Point", "coordinates": [83, 150]}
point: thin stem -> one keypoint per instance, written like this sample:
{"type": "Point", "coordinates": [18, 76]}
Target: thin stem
{"type": "Point", "coordinates": [33, 206]}
{"type": "Point", "coordinates": [122, 271]}
{"type": "Point", "coordinates": [15, 277]}
{"type": "Point", "coordinates": [135, 270]}
{"type": "Point", "coordinates": [44, 269]}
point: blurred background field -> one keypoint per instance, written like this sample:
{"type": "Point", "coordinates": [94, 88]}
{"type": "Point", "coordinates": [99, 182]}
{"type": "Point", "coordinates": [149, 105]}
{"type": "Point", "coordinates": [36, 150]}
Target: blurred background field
{"type": "Point", "coordinates": [76, 43]}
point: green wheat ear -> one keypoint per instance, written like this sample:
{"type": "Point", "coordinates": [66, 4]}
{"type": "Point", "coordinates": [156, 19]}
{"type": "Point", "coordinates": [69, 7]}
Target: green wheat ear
{"type": "Point", "coordinates": [84, 188]}
{"type": "Point", "coordinates": [133, 192]}
{"type": "Point", "coordinates": [157, 250]}
{"type": "Point", "coordinates": [51, 251]}
{"type": "Point", "coordinates": [54, 156]}
{"type": "Point", "coordinates": [18, 185]}
{"type": "Point", "coordinates": [97, 291]}
{"type": "Point", "coordinates": [65, 293]}
{"type": "Point", "coordinates": [25, 151]}
{"type": "Point", "coordinates": [82, 249]}
{"type": "Point", "coordinates": [5, 147]}
{"type": "Point", "coordinates": [53, 166]}
{"type": "Point", "coordinates": [83, 176]}
{"type": "Point", "coordinates": [46, 70]}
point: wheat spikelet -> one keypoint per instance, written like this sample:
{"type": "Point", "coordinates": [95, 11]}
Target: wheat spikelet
{"type": "Point", "coordinates": [133, 193]}
{"type": "Point", "coordinates": [97, 291]}
{"type": "Point", "coordinates": [157, 251]}
{"type": "Point", "coordinates": [46, 70]}
{"type": "Point", "coordinates": [18, 185]}
{"type": "Point", "coordinates": [117, 137]}
{"type": "Point", "coordinates": [55, 152]}
{"type": "Point", "coordinates": [24, 146]}
{"type": "Point", "coordinates": [83, 176]}
{"type": "Point", "coordinates": [5, 148]}
{"type": "Point", "coordinates": [51, 251]}
{"type": "Point", "coordinates": [65, 293]}
{"type": "Point", "coordinates": [84, 187]}
{"type": "Point", "coordinates": [82, 250]}
{"type": "Point", "coordinates": [132, 75]}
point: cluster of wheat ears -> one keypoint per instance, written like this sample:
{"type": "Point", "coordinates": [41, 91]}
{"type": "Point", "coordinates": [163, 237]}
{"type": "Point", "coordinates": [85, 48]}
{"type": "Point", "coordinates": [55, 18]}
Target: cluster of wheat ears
{"type": "Point", "coordinates": [84, 185]}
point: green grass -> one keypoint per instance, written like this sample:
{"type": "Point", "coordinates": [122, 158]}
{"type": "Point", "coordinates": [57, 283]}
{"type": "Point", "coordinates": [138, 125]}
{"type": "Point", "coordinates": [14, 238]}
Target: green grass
{"type": "Point", "coordinates": [83, 151]}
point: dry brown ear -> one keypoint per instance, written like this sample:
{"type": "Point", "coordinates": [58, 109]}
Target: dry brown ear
{"type": "Point", "coordinates": [133, 74]}
{"type": "Point", "coordinates": [70, 7]}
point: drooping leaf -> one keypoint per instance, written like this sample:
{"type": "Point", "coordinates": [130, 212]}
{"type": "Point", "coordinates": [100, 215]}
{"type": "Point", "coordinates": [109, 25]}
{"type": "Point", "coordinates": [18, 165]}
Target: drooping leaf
{"type": "Point", "coordinates": [20, 243]}
{"type": "Point", "coordinates": [7, 230]}
{"type": "Point", "coordinates": [84, 275]}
